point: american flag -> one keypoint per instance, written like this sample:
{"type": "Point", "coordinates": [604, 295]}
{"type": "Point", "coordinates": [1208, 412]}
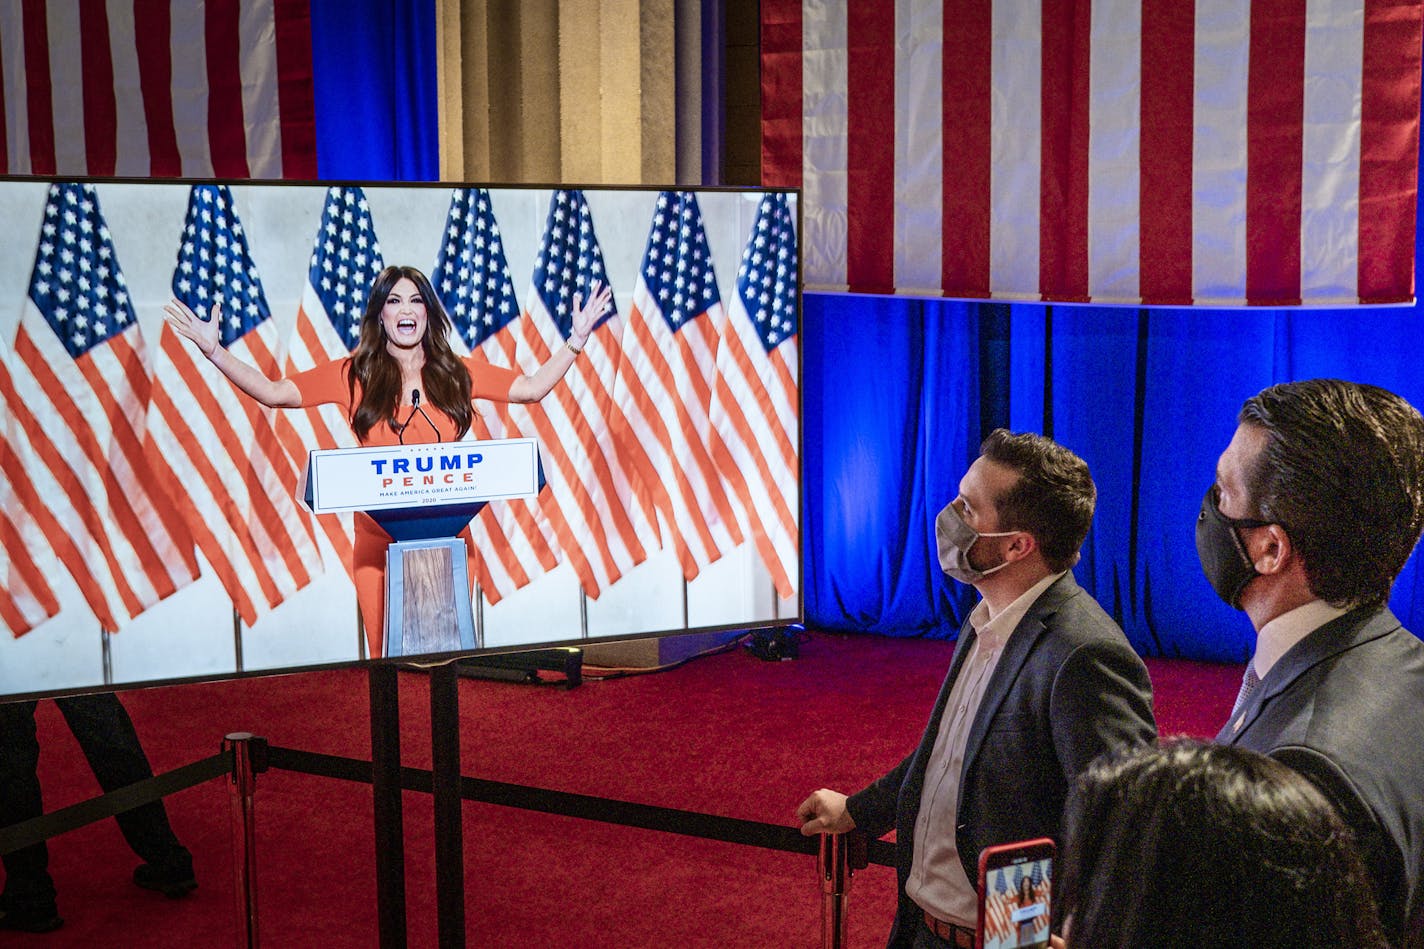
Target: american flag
{"type": "Point", "coordinates": [237, 495]}
{"type": "Point", "coordinates": [600, 532]}
{"type": "Point", "coordinates": [346, 257]}
{"type": "Point", "coordinates": [154, 88]}
{"type": "Point", "coordinates": [754, 401]}
{"type": "Point", "coordinates": [998, 913]}
{"type": "Point", "coordinates": [664, 387]}
{"type": "Point", "coordinates": [1217, 152]}
{"type": "Point", "coordinates": [514, 539]}
{"type": "Point", "coordinates": [1042, 883]}
{"type": "Point", "coordinates": [79, 371]}
{"type": "Point", "coordinates": [26, 599]}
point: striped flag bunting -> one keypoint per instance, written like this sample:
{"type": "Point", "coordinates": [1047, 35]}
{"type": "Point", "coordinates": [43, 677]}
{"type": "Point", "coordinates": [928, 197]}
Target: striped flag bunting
{"type": "Point", "coordinates": [664, 385]}
{"type": "Point", "coordinates": [1217, 152]}
{"type": "Point", "coordinates": [514, 540]}
{"type": "Point", "coordinates": [151, 88]}
{"type": "Point", "coordinates": [79, 373]}
{"type": "Point", "coordinates": [754, 400]}
{"type": "Point", "coordinates": [346, 258]}
{"type": "Point", "coordinates": [600, 532]}
{"type": "Point", "coordinates": [26, 599]}
{"type": "Point", "coordinates": [233, 481]}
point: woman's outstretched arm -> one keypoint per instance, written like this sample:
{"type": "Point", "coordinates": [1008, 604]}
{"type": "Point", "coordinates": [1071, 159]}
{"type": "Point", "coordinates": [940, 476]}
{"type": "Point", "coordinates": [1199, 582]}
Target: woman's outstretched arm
{"type": "Point", "coordinates": [274, 393]}
{"type": "Point", "coordinates": [532, 388]}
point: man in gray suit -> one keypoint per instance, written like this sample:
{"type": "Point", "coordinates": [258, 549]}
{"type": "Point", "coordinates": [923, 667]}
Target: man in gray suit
{"type": "Point", "coordinates": [1317, 504]}
{"type": "Point", "coordinates": [1042, 681]}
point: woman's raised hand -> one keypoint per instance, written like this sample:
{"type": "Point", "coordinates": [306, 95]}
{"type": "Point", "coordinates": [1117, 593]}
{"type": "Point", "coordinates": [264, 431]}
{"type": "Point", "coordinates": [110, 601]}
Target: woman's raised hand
{"type": "Point", "coordinates": [600, 298]}
{"type": "Point", "coordinates": [204, 333]}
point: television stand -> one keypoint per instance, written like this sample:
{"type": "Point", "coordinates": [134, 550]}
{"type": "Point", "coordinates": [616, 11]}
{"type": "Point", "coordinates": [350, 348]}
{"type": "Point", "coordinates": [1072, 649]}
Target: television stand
{"type": "Point", "coordinates": [525, 666]}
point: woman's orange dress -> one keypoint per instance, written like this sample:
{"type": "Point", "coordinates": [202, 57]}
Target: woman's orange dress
{"type": "Point", "coordinates": [327, 384]}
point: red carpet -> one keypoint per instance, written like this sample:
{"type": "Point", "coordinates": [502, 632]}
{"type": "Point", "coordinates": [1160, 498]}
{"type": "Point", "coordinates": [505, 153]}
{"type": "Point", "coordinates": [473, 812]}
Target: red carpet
{"type": "Point", "coordinates": [727, 735]}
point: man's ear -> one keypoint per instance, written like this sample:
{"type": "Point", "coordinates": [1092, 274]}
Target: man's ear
{"type": "Point", "coordinates": [1270, 549]}
{"type": "Point", "coordinates": [1020, 546]}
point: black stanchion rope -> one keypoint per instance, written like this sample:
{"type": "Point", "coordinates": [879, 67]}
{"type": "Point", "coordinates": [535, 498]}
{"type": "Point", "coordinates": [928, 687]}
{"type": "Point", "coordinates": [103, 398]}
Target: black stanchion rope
{"type": "Point", "coordinates": [605, 810]}
{"type": "Point", "coordinates": [672, 820]}
{"type": "Point", "coordinates": [125, 798]}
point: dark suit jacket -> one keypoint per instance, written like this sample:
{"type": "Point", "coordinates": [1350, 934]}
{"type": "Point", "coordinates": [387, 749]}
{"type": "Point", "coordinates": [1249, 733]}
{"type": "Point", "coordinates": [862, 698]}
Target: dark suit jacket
{"type": "Point", "coordinates": [1067, 687]}
{"type": "Point", "coordinates": [1345, 708]}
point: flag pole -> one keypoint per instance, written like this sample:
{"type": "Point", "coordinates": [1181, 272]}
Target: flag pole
{"type": "Point", "coordinates": [479, 616]}
{"type": "Point", "coordinates": [108, 656]}
{"type": "Point", "coordinates": [237, 638]}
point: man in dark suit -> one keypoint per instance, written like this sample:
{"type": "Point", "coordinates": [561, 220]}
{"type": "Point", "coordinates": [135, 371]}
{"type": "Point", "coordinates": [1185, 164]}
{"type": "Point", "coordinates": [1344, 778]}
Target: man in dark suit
{"type": "Point", "coordinates": [1041, 683]}
{"type": "Point", "coordinates": [1317, 504]}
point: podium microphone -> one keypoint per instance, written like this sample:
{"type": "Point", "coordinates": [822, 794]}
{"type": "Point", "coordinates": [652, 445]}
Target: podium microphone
{"type": "Point", "coordinates": [415, 407]}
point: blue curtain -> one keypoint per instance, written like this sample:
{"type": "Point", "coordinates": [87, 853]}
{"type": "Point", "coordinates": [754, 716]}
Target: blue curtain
{"type": "Point", "coordinates": [891, 396]}
{"type": "Point", "coordinates": [374, 76]}
{"type": "Point", "coordinates": [897, 394]}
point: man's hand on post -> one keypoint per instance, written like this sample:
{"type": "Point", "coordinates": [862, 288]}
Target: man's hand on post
{"type": "Point", "coordinates": [824, 812]}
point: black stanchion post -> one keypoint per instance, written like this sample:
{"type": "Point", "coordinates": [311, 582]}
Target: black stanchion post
{"type": "Point", "coordinates": [249, 759]}
{"type": "Point", "coordinates": [841, 855]}
{"type": "Point", "coordinates": [386, 791]}
{"type": "Point", "coordinates": [445, 783]}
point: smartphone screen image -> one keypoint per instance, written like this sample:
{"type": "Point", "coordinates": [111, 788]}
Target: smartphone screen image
{"type": "Point", "coordinates": [1015, 887]}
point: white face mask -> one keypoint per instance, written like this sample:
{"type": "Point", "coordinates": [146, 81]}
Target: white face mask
{"type": "Point", "coordinates": [954, 538]}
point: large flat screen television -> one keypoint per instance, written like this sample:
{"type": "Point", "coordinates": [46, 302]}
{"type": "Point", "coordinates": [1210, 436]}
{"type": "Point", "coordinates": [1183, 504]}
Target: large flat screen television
{"type": "Point", "coordinates": [151, 515]}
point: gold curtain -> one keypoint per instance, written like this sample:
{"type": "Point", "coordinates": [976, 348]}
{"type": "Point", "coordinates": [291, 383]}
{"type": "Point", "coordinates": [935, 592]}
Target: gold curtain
{"type": "Point", "coordinates": [576, 91]}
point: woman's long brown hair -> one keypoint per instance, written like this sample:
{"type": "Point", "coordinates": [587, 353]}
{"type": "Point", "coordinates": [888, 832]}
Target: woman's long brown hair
{"type": "Point", "coordinates": [444, 379]}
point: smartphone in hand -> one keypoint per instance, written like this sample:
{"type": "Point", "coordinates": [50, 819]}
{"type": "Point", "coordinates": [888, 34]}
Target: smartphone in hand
{"type": "Point", "coordinates": [1015, 890]}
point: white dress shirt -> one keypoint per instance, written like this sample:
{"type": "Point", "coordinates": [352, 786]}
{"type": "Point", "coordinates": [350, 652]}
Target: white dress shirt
{"type": "Point", "coordinates": [1278, 636]}
{"type": "Point", "coordinates": [937, 882]}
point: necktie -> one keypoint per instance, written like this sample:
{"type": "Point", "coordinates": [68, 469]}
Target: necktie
{"type": "Point", "coordinates": [1249, 682]}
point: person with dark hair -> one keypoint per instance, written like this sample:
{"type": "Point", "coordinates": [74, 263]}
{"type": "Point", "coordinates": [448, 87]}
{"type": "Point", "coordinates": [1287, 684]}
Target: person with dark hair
{"type": "Point", "coordinates": [1027, 926]}
{"type": "Point", "coordinates": [1042, 682]}
{"type": "Point", "coordinates": [1208, 847]}
{"type": "Point", "coordinates": [403, 384]}
{"type": "Point", "coordinates": [1317, 503]}
{"type": "Point", "coordinates": [106, 735]}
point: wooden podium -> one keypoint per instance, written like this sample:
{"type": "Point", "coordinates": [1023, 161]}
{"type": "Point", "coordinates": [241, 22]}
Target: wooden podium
{"type": "Point", "coordinates": [423, 496]}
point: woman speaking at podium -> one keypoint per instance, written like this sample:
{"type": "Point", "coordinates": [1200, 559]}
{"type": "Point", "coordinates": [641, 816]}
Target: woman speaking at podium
{"type": "Point", "coordinates": [403, 384]}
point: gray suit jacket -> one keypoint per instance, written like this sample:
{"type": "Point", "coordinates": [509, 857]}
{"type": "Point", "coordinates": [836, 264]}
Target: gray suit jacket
{"type": "Point", "coordinates": [1067, 688]}
{"type": "Point", "coordinates": [1345, 708]}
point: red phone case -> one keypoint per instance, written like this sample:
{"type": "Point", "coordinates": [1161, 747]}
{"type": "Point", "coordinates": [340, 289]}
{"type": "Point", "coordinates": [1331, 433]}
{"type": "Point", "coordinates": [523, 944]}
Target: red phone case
{"type": "Point", "coordinates": [1015, 890]}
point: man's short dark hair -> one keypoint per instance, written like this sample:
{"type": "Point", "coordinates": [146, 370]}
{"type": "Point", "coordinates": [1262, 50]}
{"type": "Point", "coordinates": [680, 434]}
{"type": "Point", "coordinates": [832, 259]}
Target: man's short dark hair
{"type": "Point", "coordinates": [1342, 472]}
{"type": "Point", "coordinates": [1053, 499]}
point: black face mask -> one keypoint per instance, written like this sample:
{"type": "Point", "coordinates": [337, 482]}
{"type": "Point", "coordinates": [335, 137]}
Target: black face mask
{"type": "Point", "coordinates": [1223, 556]}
